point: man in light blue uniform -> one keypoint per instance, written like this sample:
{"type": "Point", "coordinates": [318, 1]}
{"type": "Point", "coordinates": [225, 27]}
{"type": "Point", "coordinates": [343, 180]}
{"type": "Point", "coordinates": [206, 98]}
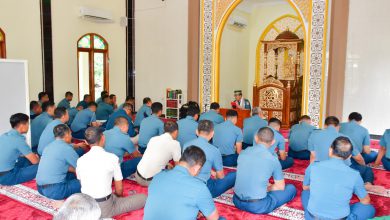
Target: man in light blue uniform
{"type": "Point", "coordinates": [14, 168]}
{"type": "Point", "coordinates": [104, 109]}
{"type": "Point", "coordinates": [83, 120]}
{"type": "Point", "coordinates": [252, 125]}
{"type": "Point", "coordinates": [180, 189]}
{"type": "Point", "coordinates": [228, 139]}
{"type": "Point", "coordinates": [87, 99]}
{"type": "Point", "coordinates": [66, 101]}
{"type": "Point", "coordinates": [213, 114]}
{"type": "Point", "coordinates": [255, 166]}
{"type": "Point", "coordinates": [100, 99]}
{"type": "Point", "coordinates": [298, 137]}
{"type": "Point", "coordinates": [188, 126]}
{"type": "Point", "coordinates": [221, 183]}
{"type": "Point", "coordinates": [280, 143]}
{"type": "Point", "coordinates": [56, 177]}
{"type": "Point", "coordinates": [359, 135]}
{"type": "Point", "coordinates": [119, 143]}
{"type": "Point", "coordinates": [144, 112]}
{"type": "Point", "coordinates": [150, 127]}
{"type": "Point", "coordinates": [125, 112]}
{"type": "Point", "coordinates": [39, 123]}
{"type": "Point", "coordinates": [35, 109]}
{"type": "Point", "coordinates": [329, 185]}
{"type": "Point", "coordinates": [384, 151]}
{"type": "Point", "coordinates": [129, 100]}
{"type": "Point", "coordinates": [73, 112]}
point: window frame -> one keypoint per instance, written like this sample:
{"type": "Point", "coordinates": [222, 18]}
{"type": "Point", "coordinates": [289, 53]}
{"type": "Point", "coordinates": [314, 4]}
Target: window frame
{"type": "Point", "coordinates": [3, 54]}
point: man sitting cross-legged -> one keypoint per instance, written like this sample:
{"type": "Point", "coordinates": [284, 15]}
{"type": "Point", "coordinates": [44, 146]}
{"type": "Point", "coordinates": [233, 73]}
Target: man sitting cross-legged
{"type": "Point", "coordinates": [180, 189]}
{"type": "Point", "coordinates": [188, 125]}
{"type": "Point", "coordinates": [96, 170]}
{"type": "Point", "coordinates": [255, 166]}
{"type": "Point", "coordinates": [84, 119]}
{"type": "Point", "coordinates": [56, 172]}
{"type": "Point", "coordinates": [119, 143]}
{"type": "Point", "coordinates": [222, 183]}
{"type": "Point", "coordinates": [124, 111]}
{"type": "Point", "coordinates": [329, 185]}
{"type": "Point", "coordinates": [252, 125]}
{"type": "Point", "coordinates": [298, 139]}
{"type": "Point", "coordinates": [280, 143]}
{"type": "Point", "coordinates": [384, 151]}
{"type": "Point", "coordinates": [40, 123]}
{"type": "Point", "coordinates": [160, 151]}
{"type": "Point", "coordinates": [213, 114]}
{"type": "Point", "coordinates": [13, 145]}
{"type": "Point", "coordinates": [150, 127]}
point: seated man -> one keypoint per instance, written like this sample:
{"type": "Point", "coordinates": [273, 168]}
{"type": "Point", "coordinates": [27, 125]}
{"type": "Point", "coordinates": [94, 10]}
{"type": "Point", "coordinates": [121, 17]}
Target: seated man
{"type": "Point", "coordinates": [280, 143]}
{"type": "Point", "coordinates": [73, 112]}
{"type": "Point", "coordinates": [228, 139]}
{"type": "Point", "coordinates": [179, 188]}
{"type": "Point", "coordinates": [298, 137]}
{"type": "Point", "coordinates": [84, 119]}
{"type": "Point", "coordinates": [13, 145]}
{"type": "Point", "coordinates": [188, 126]}
{"type": "Point", "coordinates": [213, 114]}
{"type": "Point", "coordinates": [66, 101]}
{"type": "Point", "coordinates": [43, 97]}
{"type": "Point", "coordinates": [113, 101]}
{"type": "Point", "coordinates": [104, 109]}
{"type": "Point", "coordinates": [384, 151]}
{"type": "Point", "coordinates": [252, 125]}
{"type": "Point", "coordinates": [87, 99]}
{"type": "Point", "coordinates": [129, 100]}
{"type": "Point", "coordinates": [96, 171]}
{"type": "Point", "coordinates": [329, 185]}
{"type": "Point", "coordinates": [255, 166]}
{"type": "Point", "coordinates": [221, 183]}
{"type": "Point", "coordinates": [125, 112]}
{"type": "Point", "coordinates": [100, 99]}
{"type": "Point", "coordinates": [56, 172]}
{"type": "Point", "coordinates": [61, 116]}
{"type": "Point", "coordinates": [359, 136]}
{"type": "Point", "coordinates": [35, 109]}
{"type": "Point", "coordinates": [150, 127]}
{"type": "Point", "coordinates": [39, 123]}
{"type": "Point", "coordinates": [160, 151]}
{"type": "Point", "coordinates": [144, 112]}
{"type": "Point", "coordinates": [78, 207]}
{"type": "Point", "coordinates": [119, 143]}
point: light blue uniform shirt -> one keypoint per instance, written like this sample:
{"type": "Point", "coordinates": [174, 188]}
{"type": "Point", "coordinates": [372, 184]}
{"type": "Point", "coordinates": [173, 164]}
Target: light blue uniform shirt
{"type": "Point", "coordinates": [13, 144]}
{"type": "Point", "coordinates": [118, 143]}
{"type": "Point", "coordinates": [213, 116]}
{"type": "Point", "coordinates": [104, 111]}
{"type": "Point", "coordinates": [299, 136]}
{"type": "Point", "coordinates": [72, 114]}
{"type": "Point", "coordinates": [83, 103]}
{"type": "Point", "coordinates": [176, 195]}
{"type": "Point", "coordinates": [64, 103]}
{"type": "Point", "coordinates": [213, 157]}
{"type": "Point", "coordinates": [251, 126]}
{"type": "Point", "coordinates": [187, 130]}
{"type": "Point", "coordinates": [121, 113]}
{"type": "Point", "coordinates": [332, 184]}
{"type": "Point", "coordinates": [357, 133]}
{"type": "Point", "coordinates": [55, 161]}
{"type": "Point", "coordinates": [280, 143]}
{"type": "Point", "coordinates": [385, 142]}
{"type": "Point", "coordinates": [255, 166]}
{"type": "Point", "coordinates": [47, 135]}
{"type": "Point", "coordinates": [99, 100]}
{"type": "Point", "coordinates": [37, 127]}
{"type": "Point", "coordinates": [150, 127]}
{"type": "Point", "coordinates": [83, 119]}
{"type": "Point", "coordinates": [144, 112]}
{"type": "Point", "coordinates": [226, 136]}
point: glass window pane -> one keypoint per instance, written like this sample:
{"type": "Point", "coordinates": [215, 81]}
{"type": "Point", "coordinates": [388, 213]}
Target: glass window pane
{"type": "Point", "coordinates": [98, 73]}
{"type": "Point", "coordinates": [85, 42]}
{"type": "Point", "coordinates": [83, 74]}
{"type": "Point", "coordinates": [98, 42]}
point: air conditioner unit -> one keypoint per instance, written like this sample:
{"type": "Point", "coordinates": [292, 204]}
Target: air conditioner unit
{"type": "Point", "coordinates": [96, 15]}
{"type": "Point", "coordinates": [237, 21]}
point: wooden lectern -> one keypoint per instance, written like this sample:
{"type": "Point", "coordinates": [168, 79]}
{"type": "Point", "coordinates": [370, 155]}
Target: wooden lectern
{"type": "Point", "coordinates": [242, 114]}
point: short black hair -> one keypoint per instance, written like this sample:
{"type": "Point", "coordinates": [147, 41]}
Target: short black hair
{"type": "Point", "coordinates": [112, 96]}
{"type": "Point", "coordinates": [192, 111]}
{"type": "Point", "coordinates": [42, 94]}
{"type": "Point", "coordinates": [170, 126]}
{"type": "Point", "coordinates": [231, 113]}
{"type": "Point", "coordinates": [127, 106]}
{"type": "Point", "coordinates": [33, 104]}
{"type": "Point", "coordinates": [86, 96]}
{"type": "Point", "coordinates": [332, 120]}
{"type": "Point", "coordinates": [103, 93]}
{"type": "Point", "coordinates": [275, 120]}
{"type": "Point", "coordinates": [93, 135]}
{"type": "Point", "coordinates": [61, 130]}
{"type": "Point", "coordinates": [156, 107]}
{"type": "Point", "coordinates": [356, 116]}
{"type": "Point", "coordinates": [265, 135]}
{"type": "Point", "coordinates": [59, 112]}
{"type": "Point", "coordinates": [193, 155]}
{"type": "Point", "coordinates": [305, 117]}
{"type": "Point", "coordinates": [342, 147]}
{"type": "Point", "coordinates": [205, 126]}
{"type": "Point", "coordinates": [129, 97]}
{"type": "Point", "coordinates": [146, 100]}
{"type": "Point", "coordinates": [92, 104]}
{"type": "Point", "coordinates": [46, 105]}
{"type": "Point", "coordinates": [214, 106]}
{"type": "Point", "coordinates": [17, 119]}
{"type": "Point", "coordinates": [68, 93]}
{"type": "Point", "coordinates": [105, 96]}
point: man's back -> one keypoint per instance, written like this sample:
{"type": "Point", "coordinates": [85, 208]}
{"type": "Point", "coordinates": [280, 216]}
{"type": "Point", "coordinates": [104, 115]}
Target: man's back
{"type": "Point", "coordinates": [213, 116]}
{"type": "Point", "coordinates": [37, 127]}
{"type": "Point", "coordinates": [280, 143]}
{"type": "Point", "coordinates": [251, 126]}
{"type": "Point", "coordinates": [82, 119]}
{"type": "Point", "coordinates": [144, 112]}
{"type": "Point", "coordinates": [118, 142]}
{"type": "Point", "coordinates": [150, 127]}
{"type": "Point", "coordinates": [47, 135]}
{"type": "Point", "coordinates": [320, 142]}
{"type": "Point", "coordinates": [13, 144]}
{"type": "Point", "coordinates": [226, 136]}
{"type": "Point", "coordinates": [64, 103]}
{"type": "Point", "coordinates": [299, 136]}
{"type": "Point", "coordinates": [187, 130]}
{"type": "Point", "coordinates": [104, 111]}
{"type": "Point", "coordinates": [357, 133]}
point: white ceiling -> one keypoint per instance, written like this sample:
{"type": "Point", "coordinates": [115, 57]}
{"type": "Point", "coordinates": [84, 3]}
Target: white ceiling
{"type": "Point", "coordinates": [249, 5]}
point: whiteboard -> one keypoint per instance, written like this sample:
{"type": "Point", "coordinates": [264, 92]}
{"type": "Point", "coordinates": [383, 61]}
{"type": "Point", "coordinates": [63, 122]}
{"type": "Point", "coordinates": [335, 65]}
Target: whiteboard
{"type": "Point", "coordinates": [14, 90]}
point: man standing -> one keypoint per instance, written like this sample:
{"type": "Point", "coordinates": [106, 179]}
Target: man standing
{"type": "Point", "coordinates": [150, 127]}
{"type": "Point", "coordinates": [83, 120]}
{"type": "Point", "coordinates": [87, 99]}
{"type": "Point", "coordinates": [213, 114]}
{"type": "Point", "coordinates": [298, 139]}
{"type": "Point", "coordinates": [96, 171]}
{"type": "Point", "coordinates": [188, 125]}
{"type": "Point", "coordinates": [104, 109]}
{"type": "Point", "coordinates": [280, 143]}
{"type": "Point", "coordinates": [240, 102]}
{"type": "Point", "coordinates": [40, 122]}
{"type": "Point", "coordinates": [66, 101]}
{"type": "Point", "coordinates": [144, 112]}
{"type": "Point", "coordinates": [252, 125]}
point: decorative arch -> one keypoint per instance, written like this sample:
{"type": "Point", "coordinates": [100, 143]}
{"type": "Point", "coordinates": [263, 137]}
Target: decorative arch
{"type": "Point", "coordinates": [2, 45]}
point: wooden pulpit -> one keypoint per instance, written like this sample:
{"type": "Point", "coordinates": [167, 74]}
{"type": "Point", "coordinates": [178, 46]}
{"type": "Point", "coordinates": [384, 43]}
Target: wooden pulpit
{"type": "Point", "coordinates": [242, 114]}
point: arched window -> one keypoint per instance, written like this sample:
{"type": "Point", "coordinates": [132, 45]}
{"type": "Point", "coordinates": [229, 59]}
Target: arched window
{"type": "Point", "coordinates": [2, 44]}
{"type": "Point", "coordinates": [92, 53]}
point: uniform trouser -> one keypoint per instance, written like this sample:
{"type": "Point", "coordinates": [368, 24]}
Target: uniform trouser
{"type": "Point", "coordinates": [386, 163]}
{"type": "Point", "coordinates": [63, 190]}
{"type": "Point", "coordinates": [287, 163]}
{"type": "Point", "coordinates": [129, 167]}
{"type": "Point", "coordinates": [359, 211]}
{"type": "Point", "coordinates": [141, 149]}
{"type": "Point", "coordinates": [245, 145]}
{"type": "Point", "coordinates": [219, 186]}
{"type": "Point", "coordinates": [230, 160]}
{"type": "Point", "coordinates": [369, 158]}
{"type": "Point", "coordinates": [79, 134]}
{"type": "Point", "coordinates": [23, 171]}
{"type": "Point", "coordinates": [300, 155]}
{"type": "Point", "coordinates": [118, 205]}
{"type": "Point", "coordinates": [365, 172]}
{"type": "Point", "coordinates": [273, 200]}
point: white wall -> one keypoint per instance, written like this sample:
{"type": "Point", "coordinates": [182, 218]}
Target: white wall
{"type": "Point", "coordinates": [161, 29]}
{"type": "Point", "coordinates": [367, 73]}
